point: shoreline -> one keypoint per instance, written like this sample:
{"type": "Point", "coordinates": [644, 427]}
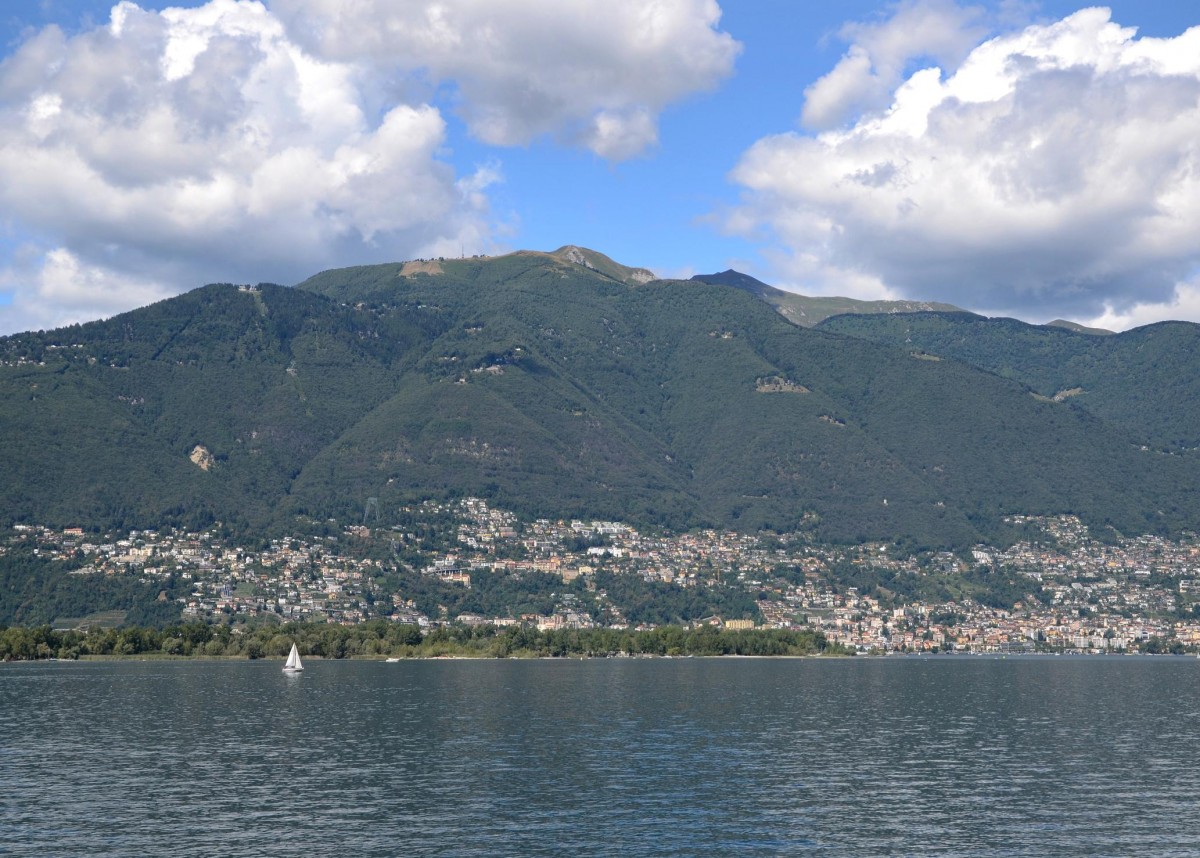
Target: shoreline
{"type": "Point", "coordinates": [396, 659]}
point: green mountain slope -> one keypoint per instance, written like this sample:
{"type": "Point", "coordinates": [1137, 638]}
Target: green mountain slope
{"type": "Point", "coordinates": [1145, 382]}
{"type": "Point", "coordinates": [659, 368]}
{"type": "Point", "coordinates": [101, 419]}
{"type": "Point", "coordinates": [556, 385]}
{"type": "Point", "coordinates": [808, 311]}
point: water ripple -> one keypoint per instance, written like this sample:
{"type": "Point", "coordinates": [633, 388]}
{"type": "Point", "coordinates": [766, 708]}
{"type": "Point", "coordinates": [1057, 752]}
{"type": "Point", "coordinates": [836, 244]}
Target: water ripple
{"type": "Point", "coordinates": [909, 757]}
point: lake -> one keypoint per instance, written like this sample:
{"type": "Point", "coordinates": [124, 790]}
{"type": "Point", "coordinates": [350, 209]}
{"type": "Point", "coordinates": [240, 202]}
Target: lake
{"type": "Point", "coordinates": [900, 756]}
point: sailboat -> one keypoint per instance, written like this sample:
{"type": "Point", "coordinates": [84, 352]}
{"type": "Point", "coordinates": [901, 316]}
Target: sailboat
{"type": "Point", "coordinates": [293, 665]}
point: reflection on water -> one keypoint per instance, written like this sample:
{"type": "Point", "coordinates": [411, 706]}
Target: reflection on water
{"type": "Point", "coordinates": [938, 756]}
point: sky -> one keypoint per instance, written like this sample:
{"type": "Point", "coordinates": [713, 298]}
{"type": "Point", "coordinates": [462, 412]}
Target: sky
{"type": "Point", "coordinates": [1039, 160]}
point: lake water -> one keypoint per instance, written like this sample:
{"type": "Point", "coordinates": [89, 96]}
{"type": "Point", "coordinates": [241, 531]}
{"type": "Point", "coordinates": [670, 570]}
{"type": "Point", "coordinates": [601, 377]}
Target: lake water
{"type": "Point", "coordinates": [963, 756]}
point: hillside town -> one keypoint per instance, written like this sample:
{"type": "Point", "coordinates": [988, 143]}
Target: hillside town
{"type": "Point", "coordinates": [1063, 591]}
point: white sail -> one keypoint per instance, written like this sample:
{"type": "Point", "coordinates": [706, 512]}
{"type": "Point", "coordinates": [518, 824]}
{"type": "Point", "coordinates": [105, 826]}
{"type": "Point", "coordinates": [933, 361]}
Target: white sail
{"type": "Point", "coordinates": [293, 660]}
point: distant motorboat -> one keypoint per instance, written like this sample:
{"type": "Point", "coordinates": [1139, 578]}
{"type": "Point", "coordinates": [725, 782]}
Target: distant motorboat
{"type": "Point", "coordinates": [293, 664]}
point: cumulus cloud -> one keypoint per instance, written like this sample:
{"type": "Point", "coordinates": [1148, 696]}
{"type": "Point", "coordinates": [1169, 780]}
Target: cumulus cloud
{"type": "Point", "coordinates": [1183, 303]}
{"type": "Point", "coordinates": [54, 288]}
{"type": "Point", "coordinates": [592, 73]}
{"type": "Point", "coordinates": [879, 52]}
{"type": "Point", "coordinates": [241, 141]}
{"type": "Point", "coordinates": [1056, 172]}
{"type": "Point", "coordinates": [179, 147]}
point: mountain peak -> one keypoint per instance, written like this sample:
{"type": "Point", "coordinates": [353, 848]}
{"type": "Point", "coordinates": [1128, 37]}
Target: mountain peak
{"type": "Point", "coordinates": [598, 262]}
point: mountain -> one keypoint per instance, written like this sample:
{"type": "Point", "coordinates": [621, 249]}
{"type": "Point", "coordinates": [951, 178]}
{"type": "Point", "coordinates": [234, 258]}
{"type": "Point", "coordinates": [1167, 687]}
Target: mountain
{"type": "Point", "coordinates": [1144, 382]}
{"type": "Point", "coordinates": [1078, 328]}
{"type": "Point", "coordinates": [557, 385]}
{"type": "Point", "coordinates": [808, 311]}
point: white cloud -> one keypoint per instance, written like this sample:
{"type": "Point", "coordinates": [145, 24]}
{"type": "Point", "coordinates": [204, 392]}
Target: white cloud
{"type": "Point", "coordinates": [1056, 172]}
{"type": "Point", "coordinates": [1183, 304]}
{"type": "Point", "coordinates": [595, 73]}
{"type": "Point", "coordinates": [875, 62]}
{"type": "Point", "coordinates": [193, 145]}
{"type": "Point", "coordinates": [242, 141]}
{"type": "Point", "coordinates": [55, 288]}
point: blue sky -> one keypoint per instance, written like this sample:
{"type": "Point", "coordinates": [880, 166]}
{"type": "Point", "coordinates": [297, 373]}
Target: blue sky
{"type": "Point", "coordinates": [1047, 168]}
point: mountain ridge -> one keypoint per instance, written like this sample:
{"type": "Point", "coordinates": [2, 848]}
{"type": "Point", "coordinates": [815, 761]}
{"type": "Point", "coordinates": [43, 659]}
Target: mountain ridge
{"type": "Point", "coordinates": [809, 311]}
{"type": "Point", "coordinates": [557, 385]}
{"type": "Point", "coordinates": [1143, 380]}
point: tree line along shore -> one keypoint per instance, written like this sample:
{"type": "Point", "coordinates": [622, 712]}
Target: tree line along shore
{"type": "Point", "coordinates": [381, 638]}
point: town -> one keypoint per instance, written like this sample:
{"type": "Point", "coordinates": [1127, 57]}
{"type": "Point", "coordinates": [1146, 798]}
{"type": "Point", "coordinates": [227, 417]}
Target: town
{"type": "Point", "coordinates": [1062, 590]}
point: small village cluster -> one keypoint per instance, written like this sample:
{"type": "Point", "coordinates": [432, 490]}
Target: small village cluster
{"type": "Point", "coordinates": [1093, 596]}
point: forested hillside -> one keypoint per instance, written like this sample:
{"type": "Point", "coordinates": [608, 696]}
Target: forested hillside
{"type": "Point", "coordinates": [1144, 382]}
{"type": "Point", "coordinates": [554, 385]}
